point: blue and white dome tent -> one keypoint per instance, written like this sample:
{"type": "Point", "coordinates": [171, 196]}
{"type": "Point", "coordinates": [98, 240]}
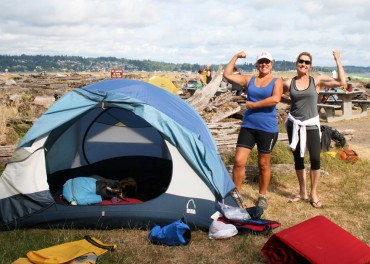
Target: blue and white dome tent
{"type": "Point", "coordinates": [116, 129]}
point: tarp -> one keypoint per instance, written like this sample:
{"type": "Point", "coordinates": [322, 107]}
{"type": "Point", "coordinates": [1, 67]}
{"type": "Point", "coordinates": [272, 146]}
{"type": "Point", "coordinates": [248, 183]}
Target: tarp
{"type": "Point", "coordinates": [316, 240]}
{"type": "Point", "coordinates": [164, 83]}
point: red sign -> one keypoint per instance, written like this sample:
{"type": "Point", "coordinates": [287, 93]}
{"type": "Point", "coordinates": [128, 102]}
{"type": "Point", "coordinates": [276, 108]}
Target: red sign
{"type": "Point", "coordinates": [116, 73]}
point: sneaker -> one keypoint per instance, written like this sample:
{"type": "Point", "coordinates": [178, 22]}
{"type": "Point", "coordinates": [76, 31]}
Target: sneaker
{"type": "Point", "coordinates": [262, 202]}
{"type": "Point", "coordinates": [238, 197]}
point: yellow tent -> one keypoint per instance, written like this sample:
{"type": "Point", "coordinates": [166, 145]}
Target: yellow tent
{"type": "Point", "coordinates": [164, 83]}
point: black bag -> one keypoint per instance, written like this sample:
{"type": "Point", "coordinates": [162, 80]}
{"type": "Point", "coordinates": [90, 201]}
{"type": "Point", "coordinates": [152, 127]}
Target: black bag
{"type": "Point", "coordinates": [325, 138]}
{"type": "Point", "coordinates": [339, 139]}
{"type": "Point", "coordinates": [328, 134]}
{"type": "Point", "coordinates": [108, 190]}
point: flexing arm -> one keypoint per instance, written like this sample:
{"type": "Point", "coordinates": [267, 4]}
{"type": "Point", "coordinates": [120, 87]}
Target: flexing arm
{"type": "Point", "coordinates": [236, 78]}
{"type": "Point", "coordinates": [327, 81]}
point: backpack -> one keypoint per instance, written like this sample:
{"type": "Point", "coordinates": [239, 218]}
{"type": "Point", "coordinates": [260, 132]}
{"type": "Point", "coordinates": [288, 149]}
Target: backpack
{"type": "Point", "coordinates": [339, 139]}
{"type": "Point", "coordinates": [328, 134]}
{"type": "Point", "coordinates": [348, 155]}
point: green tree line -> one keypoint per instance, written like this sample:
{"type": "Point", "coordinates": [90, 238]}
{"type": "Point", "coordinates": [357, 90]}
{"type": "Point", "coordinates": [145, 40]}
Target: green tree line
{"type": "Point", "coordinates": [60, 63]}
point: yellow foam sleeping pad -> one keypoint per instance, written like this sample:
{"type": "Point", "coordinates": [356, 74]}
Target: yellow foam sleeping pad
{"type": "Point", "coordinates": [331, 153]}
{"type": "Point", "coordinates": [84, 251]}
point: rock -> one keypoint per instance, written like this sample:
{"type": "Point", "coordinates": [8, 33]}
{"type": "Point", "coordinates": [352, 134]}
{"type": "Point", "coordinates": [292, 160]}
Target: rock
{"type": "Point", "coordinates": [45, 101]}
{"type": "Point", "coordinates": [10, 82]}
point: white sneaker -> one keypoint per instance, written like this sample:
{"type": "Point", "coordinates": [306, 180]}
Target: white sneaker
{"type": "Point", "coordinates": [262, 202]}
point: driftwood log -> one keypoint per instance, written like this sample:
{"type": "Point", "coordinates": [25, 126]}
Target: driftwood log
{"type": "Point", "coordinates": [217, 111]}
{"type": "Point", "coordinates": [212, 106]}
{"type": "Point", "coordinates": [200, 99]}
{"type": "Point", "coordinates": [225, 134]}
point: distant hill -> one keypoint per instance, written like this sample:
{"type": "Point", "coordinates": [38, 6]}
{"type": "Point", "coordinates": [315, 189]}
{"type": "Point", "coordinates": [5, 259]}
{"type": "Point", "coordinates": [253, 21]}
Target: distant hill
{"type": "Point", "coordinates": [39, 63]}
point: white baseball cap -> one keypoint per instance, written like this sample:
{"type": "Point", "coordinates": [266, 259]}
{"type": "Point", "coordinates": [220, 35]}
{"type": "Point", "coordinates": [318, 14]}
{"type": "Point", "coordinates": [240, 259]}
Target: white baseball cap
{"type": "Point", "coordinates": [264, 55]}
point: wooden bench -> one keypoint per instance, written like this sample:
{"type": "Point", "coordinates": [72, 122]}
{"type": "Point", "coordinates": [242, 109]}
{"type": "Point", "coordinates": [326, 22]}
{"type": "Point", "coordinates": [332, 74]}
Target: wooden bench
{"type": "Point", "coordinates": [329, 109]}
{"type": "Point", "coordinates": [332, 101]}
{"type": "Point", "coordinates": [364, 104]}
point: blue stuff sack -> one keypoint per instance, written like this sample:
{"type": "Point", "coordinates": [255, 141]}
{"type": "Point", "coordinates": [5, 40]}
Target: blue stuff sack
{"type": "Point", "coordinates": [175, 234]}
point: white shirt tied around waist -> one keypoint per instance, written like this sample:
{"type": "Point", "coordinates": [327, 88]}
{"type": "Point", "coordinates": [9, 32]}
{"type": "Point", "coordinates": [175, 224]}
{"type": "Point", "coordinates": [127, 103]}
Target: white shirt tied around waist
{"type": "Point", "coordinates": [300, 126]}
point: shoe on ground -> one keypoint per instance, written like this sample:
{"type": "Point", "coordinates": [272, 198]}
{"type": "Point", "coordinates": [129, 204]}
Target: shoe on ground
{"type": "Point", "coordinates": [262, 202]}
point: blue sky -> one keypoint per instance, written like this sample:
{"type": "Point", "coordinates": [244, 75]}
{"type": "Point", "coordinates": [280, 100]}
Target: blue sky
{"type": "Point", "coordinates": [187, 31]}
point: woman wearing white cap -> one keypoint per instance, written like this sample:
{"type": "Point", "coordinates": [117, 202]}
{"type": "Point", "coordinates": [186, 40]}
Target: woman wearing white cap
{"type": "Point", "coordinates": [303, 123]}
{"type": "Point", "coordinates": [259, 126]}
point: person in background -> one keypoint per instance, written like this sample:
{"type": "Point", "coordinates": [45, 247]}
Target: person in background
{"type": "Point", "coordinates": [224, 86]}
{"type": "Point", "coordinates": [200, 79]}
{"type": "Point", "coordinates": [303, 123]}
{"type": "Point", "coordinates": [259, 126]}
{"type": "Point", "coordinates": [207, 74]}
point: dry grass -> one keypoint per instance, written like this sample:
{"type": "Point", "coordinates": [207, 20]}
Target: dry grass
{"type": "Point", "coordinates": [5, 114]}
{"type": "Point", "coordinates": [133, 246]}
{"type": "Point", "coordinates": [14, 110]}
{"type": "Point", "coordinates": [343, 189]}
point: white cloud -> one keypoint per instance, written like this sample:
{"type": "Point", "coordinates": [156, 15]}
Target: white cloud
{"type": "Point", "coordinates": [187, 31]}
{"type": "Point", "coordinates": [313, 7]}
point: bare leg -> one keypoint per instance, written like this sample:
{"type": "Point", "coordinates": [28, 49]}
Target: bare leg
{"type": "Point", "coordinates": [265, 172]}
{"type": "Point", "coordinates": [301, 176]}
{"type": "Point", "coordinates": [314, 175]}
{"type": "Point", "coordinates": [240, 160]}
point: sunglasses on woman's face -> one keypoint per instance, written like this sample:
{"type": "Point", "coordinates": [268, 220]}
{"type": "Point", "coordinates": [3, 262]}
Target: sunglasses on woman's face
{"type": "Point", "coordinates": [263, 61]}
{"type": "Point", "coordinates": [307, 62]}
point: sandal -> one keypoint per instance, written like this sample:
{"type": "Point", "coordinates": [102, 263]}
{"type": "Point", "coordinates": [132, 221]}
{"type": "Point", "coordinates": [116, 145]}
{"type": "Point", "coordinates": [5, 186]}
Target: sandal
{"type": "Point", "coordinates": [316, 205]}
{"type": "Point", "coordinates": [296, 199]}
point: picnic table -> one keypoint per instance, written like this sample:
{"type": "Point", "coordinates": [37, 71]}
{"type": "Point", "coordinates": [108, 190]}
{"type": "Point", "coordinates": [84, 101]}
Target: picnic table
{"type": "Point", "coordinates": [341, 99]}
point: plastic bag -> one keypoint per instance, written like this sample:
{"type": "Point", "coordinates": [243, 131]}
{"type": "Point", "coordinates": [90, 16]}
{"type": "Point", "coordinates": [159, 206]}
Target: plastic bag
{"type": "Point", "coordinates": [234, 213]}
{"type": "Point", "coordinates": [221, 230]}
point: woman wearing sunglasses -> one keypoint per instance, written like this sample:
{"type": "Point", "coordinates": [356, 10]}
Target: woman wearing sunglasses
{"type": "Point", "coordinates": [303, 123]}
{"type": "Point", "coordinates": [259, 126]}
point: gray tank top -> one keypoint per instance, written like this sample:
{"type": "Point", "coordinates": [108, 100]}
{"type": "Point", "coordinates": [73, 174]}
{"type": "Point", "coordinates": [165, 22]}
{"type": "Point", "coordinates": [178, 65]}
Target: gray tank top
{"type": "Point", "coordinates": [304, 102]}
